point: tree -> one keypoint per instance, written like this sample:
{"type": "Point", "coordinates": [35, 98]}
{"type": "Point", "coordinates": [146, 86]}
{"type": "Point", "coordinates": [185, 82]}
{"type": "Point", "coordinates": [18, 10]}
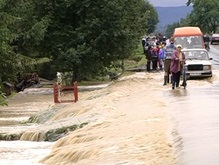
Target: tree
{"type": "Point", "coordinates": [3, 98]}
{"type": "Point", "coordinates": [6, 52]}
{"type": "Point", "coordinates": [205, 14]}
{"type": "Point", "coordinates": [87, 36]}
{"type": "Point", "coordinates": [16, 38]}
{"type": "Point", "coordinates": [170, 29]}
{"type": "Point", "coordinates": [84, 37]}
{"type": "Point", "coordinates": [151, 17]}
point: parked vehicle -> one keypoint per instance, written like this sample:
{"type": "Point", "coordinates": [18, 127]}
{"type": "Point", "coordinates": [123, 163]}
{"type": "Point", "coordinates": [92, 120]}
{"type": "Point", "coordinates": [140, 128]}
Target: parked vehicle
{"type": "Point", "coordinates": [189, 37]}
{"type": "Point", "coordinates": [198, 63]}
{"type": "Point", "coordinates": [214, 38]}
{"type": "Point", "coordinates": [151, 41]}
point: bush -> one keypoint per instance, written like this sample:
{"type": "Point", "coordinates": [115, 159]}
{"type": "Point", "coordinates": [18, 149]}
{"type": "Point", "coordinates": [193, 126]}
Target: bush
{"type": "Point", "coordinates": [2, 99]}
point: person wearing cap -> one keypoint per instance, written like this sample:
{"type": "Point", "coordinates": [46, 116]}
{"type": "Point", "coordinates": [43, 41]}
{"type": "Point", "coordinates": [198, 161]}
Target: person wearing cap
{"type": "Point", "coordinates": [170, 48]}
{"type": "Point", "coordinates": [177, 59]}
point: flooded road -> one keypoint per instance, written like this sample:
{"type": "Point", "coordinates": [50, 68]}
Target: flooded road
{"type": "Point", "coordinates": [130, 125]}
{"type": "Point", "coordinates": [214, 53]}
{"type": "Point", "coordinates": [196, 124]}
{"type": "Point", "coordinates": [195, 114]}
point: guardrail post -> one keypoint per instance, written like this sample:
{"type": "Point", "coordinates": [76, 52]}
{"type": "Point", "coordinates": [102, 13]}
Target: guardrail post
{"type": "Point", "coordinates": [56, 93]}
{"type": "Point", "coordinates": [75, 89]}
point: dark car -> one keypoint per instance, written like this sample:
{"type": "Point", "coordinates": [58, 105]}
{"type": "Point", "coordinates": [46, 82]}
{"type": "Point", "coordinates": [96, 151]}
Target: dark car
{"type": "Point", "coordinates": [214, 38]}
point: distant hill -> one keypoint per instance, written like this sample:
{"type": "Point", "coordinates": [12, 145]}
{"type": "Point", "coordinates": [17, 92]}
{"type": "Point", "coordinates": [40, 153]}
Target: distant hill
{"type": "Point", "coordinates": [169, 15]}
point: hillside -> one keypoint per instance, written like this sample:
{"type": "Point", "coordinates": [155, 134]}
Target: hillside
{"type": "Point", "coordinates": [169, 15]}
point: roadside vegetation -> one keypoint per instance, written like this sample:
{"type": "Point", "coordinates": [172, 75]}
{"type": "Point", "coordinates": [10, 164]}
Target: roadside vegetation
{"type": "Point", "coordinates": [3, 101]}
{"type": "Point", "coordinates": [205, 15]}
{"type": "Point", "coordinates": [86, 39]}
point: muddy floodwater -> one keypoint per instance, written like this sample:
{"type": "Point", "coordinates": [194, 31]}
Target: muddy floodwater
{"type": "Point", "coordinates": [195, 115]}
{"type": "Point", "coordinates": [196, 119]}
{"type": "Point", "coordinates": [20, 108]}
{"type": "Point", "coordinates": [132, 121]}
{"type": "Point", "coordinates": [128, 123]}
{"type": "Point", "coordinates": [23, 152]}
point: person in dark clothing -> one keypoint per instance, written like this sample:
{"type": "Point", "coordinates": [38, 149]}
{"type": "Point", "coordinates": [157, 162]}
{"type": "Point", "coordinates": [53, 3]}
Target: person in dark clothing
{"type": "Point", "coordinates": [143, 42]}
{"type": "Point", "coordinates": [149, 58]}
{"type": "Point", "coordinates": [154, 57]}
{"type": "Point", "coordinates": [167, 60]}
{"type": "Point", "coordinates": [207, 41]}
{"type": "Point", "coordinates": [146, 48]}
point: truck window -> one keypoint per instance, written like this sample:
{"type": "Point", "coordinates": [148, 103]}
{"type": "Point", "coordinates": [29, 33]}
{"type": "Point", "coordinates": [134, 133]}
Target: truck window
{"type": "Point", "coordinates": [189, 37]}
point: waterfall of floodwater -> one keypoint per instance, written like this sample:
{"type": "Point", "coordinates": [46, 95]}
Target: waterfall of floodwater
{"type": "Point", "coordinates": [33, 136]}
{"type": "Point", "coordinates": [128, 124]}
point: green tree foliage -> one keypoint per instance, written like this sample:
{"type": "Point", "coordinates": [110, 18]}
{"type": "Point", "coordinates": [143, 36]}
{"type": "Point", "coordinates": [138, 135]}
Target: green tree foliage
{"type": "Point", "coordinates": [83, 36]}
{"type": "Point", "coordinates": [205, 14]}
{"type": "Point", "coordinates": [3, 101]}
{"type": "Point", "coordinates": [17, 38]}
{"type": "Point", "coordinates": [6, 51]}
{"type": "Point", "coordinates": [151, 17]}
{"type": "Point", "coordinates": [170, 29]}
{"type": "Point", "coordinates": [87, 36]}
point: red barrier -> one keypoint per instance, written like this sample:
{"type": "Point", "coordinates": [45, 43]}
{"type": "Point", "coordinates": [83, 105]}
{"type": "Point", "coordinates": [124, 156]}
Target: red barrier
{"type": "Point", "coordinates": [76, 91]}
{"type": "Point", "coordinates": [57, 91]}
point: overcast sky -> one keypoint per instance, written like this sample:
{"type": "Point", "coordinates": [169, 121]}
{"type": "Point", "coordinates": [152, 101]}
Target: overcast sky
{"type": "Point", "coordinates": [165, 3]}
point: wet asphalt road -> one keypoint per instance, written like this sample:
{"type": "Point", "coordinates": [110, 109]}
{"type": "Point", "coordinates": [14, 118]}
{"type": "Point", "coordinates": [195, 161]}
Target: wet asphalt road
{"type": "Point", "coordinates": [195, 114]}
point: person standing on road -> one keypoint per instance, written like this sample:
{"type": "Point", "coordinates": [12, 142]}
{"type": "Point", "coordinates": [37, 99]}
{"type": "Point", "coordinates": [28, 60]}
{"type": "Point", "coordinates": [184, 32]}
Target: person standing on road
{"type": "Point", "coordinates": [177, 59]}
{"type": "Point", "coordinates": [161, 57]}
{"type": "Point", "coordinates": [149, 58]}
{"type": "Point", "coordinates": [170, 48]}
{"type": "Point", "coordinates": [154, 55]}
{"type": "Point", "coordinates": [207, 41]}
{"type": "Point", "coordinates": [143, 42]}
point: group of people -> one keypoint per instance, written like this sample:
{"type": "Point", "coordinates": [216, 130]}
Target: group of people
{"type": "Point", "coordinates": [155, 56]}
{"type": "Point", "coordinates": [154, 51]}
{"type": "Point", "coordinates": [166, 57]}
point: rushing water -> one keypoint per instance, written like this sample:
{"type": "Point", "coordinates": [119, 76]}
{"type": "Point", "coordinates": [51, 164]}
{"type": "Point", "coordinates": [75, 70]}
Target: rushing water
{"type": "Point", "coordinates": [23, 152]}
{"type": "Point", "coordinates": [23, 105]}
{"type": "Point", "coordinates": [126, 126]}
{"type": "Point", "coordinates": [194, 114]}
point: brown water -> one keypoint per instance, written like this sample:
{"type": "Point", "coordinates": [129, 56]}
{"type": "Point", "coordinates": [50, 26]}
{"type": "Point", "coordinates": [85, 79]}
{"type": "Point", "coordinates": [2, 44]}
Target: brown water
{"type": "Point", "coordinates": [128, 124]}
{"type": "Point", "coordinates": [132, 121]}
{"type": "Point", "coordinates": [196, 130]}
{"type": "Point", "coordinates": [23, 152]}
{"type": "Point", "coordinates": [195, 117]}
